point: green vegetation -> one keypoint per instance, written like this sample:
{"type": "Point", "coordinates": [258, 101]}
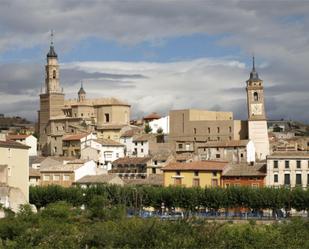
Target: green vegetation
{"type": "Point", "coordinates": [102, 225]}
{"type": "Point", "coordinates": [147, 128]}
{"type": "Point", "coordinates": [189, 199]}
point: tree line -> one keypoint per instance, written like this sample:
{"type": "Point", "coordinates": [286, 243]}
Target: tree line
{"type": "Point", "coordinates": [61, 226]}
{"type": "Point", "coordinates": [189, 199]}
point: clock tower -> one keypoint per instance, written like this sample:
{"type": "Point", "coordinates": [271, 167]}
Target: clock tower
{"type": "Point", "coordinates": [257, 124]}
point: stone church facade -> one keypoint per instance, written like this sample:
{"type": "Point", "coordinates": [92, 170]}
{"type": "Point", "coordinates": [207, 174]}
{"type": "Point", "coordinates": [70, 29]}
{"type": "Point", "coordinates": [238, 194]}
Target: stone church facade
{"type": "Point", "coordinates": [58, 117]}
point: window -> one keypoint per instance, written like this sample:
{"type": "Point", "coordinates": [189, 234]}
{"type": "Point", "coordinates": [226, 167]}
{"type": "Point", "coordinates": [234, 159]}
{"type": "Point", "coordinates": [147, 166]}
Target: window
{"type": "Point", "coordinates": [177, 181]}
{"type": "Point", "coordinates": [298, 164]}
{"type": "Point", "coordinates": [194, 130]}
{"type": "Point", "coordinates": [287, 164]}
{"type": "Point", "coordinates": [177, 173]}
{"type": "Point", "coordinates": [256, 96]}
{"type": "Point", "coordinates": [142, 150]}
{"type": "Point", "coordinates": [46, 177]}
{"type": "Point", "coordinates": [214, 173]}
{"type": "Point", "coordinates": [196, 183]}
{"type": "Point", "coordinates": [214, 182]}
{"type": "Point", "coordinates": [287, 179]}
{"type": "Point", "coordinates": [106, 117]}
{"type": "Point", "coordinates": [275, 164]}
{"type": "Point", "coordinates": [298, 179]}
{"type": "Point", "coordinates": [196, 173]}
{"type": "Point", "coordinates": [230, 129]}
{"type": "Point", "coordinates": [153, 170]}
{"type": "Point", "coordinates": [218, 138]}
{"type": "Point", "coordinates": [142, 143]}
{"type": "Point", "coordinates": [155, 162]}
{"type": "Point", "coordinates": [307, 179]}
{"type": "Point", "coordinates": [255, 185]}
{"type": "Point", "coordinates": [230, 138]}
{"type": "Point", "coordinates": [180, 146]}
{"type": "Point", "coordinates": [208, 129]}
{"type": "Point", "coordinates": [56, 177]}
{"type": "Point", "coordinates": [117, 155]}
{"type": "Point", "coordinates": [218, 129]}
{"type": "Point", "coordinates": [276, 178]}
{"type": "Point", "coordinates": [217, 155]}
{"type": "Point", "coordinates": [54, 74]}
{"type": "Point", "coordinates": [9, 153]}
{"type": "Point", "coordinates": [66, 177]}
{"type": "Point", "coordinates": [241, 155]}
{"type": "Point", "coordinates": [82, 114]}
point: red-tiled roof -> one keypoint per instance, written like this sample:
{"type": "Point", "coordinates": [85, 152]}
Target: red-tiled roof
{"type": "Point", "coordinates": [110, 142]}
{"type": "Point", "coordinates": [75, 137]}
{"type": "Point", "coordinates": [13, 144]}
{"type": "Point", "coordinates": [16, 137]}
{"type": "Point", "coordinates": [197, 165]}
{"type": "Point", "coordinates": [151, 116]}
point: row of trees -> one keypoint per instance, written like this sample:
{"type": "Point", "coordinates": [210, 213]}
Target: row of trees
{"type": "Point", "coordinates": [190, 199]}
{"type": "Point", "coordinates": [61, 226]}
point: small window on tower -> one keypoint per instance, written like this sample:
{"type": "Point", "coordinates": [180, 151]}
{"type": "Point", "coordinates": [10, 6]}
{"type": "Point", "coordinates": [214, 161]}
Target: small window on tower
{"type": "Point", "coordinates": [107, 117]}
{"type": "Point", "coordinates": [256, 96]}
{"type": "Point", "coordinates": [54, 74]}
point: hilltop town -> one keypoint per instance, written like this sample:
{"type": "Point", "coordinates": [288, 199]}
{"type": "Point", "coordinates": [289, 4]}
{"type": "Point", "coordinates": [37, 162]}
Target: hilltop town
{"type": "Point", "coordinates": [84, 142]}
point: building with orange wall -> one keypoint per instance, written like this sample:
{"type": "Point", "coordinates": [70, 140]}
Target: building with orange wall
{"type": "Point", "coordinates": [244, 175]}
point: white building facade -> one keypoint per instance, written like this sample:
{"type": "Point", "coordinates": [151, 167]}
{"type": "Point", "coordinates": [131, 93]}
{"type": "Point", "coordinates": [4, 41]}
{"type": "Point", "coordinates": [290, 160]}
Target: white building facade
{"type": "Point", "coordinates": [289, 169]}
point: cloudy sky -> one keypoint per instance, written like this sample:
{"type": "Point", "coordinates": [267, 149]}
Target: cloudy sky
{"type": "Point", "coordinates": [158, 55]}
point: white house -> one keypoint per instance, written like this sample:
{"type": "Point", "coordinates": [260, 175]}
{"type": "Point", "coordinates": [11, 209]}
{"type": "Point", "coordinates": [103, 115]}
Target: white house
{"type": "Point", "coordinates": [103, 151]}
{"type": "Point", "coordinates": [288, 168]}
{"type": "Point", "coordinates": [162, 123]}
{"type": "Point", "coordinates": [28, 140]}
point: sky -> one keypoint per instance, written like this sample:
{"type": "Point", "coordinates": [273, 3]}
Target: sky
{"type": "Point", "coordinates": [158, 55]}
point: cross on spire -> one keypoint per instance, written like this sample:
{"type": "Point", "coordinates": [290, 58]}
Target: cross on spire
{"type": "Point", "coordinates": [52, 37]}
{"type": "Point", "coordinates": [253, 63]}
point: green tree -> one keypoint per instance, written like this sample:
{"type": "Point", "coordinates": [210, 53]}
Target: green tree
{"type": "Point", "coordinates": [147, 128]}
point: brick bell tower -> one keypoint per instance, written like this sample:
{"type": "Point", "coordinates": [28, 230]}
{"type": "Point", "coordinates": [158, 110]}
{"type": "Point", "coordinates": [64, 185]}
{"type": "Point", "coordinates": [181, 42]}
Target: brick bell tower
{"type": "Point", "coordinates": [51, 99]}
{"type": "Point", "coordinates": [257, 123]}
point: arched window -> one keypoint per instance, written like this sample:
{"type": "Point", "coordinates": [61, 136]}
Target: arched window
{"type": "Point", "coordinates": [54, 74]}
{"type": "Point", "coordinates": [256, 96]}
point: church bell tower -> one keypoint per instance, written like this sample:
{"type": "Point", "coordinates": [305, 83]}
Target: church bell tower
{"type": "Point", "coordinates": [51, 101]}
{"type": "Point", "coordinates": [257, 124]}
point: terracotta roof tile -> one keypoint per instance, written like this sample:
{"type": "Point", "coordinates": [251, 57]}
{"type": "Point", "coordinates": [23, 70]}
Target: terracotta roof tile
{"type": "Point", "coordinates": [17, 137]}
{"type": "Point", "coordinates": [151, 116]}
{"type": "Point", "coordinates": [75, 137]}
{"type": "Point", "coordinates": [104, 178]}
{"type": "Point", "coordinates": [245, 170]}
{"type": "Point", "coordinates": [13, 144]}
{"type": "Point", "coordinates": [197, 165]}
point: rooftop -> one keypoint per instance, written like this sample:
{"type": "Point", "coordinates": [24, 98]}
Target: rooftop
{"type": "Point", "coordinates": [289, 154]}
{"type": "Point", "coordinates": [245, 170]}
{"type": "Point", "coordinates": [75, 137]}
{"type": "Point", "coordinates": [17, 136]}
{"type": "Point", "coordinates": [154, 179]}
{"type": "Point", "coordinates": [13, 144]}
{"type": "Point", "coordinates": [131, 160]}
{"type": "Point", "coordinates": [197, 165]}
{"type": "Point", "coordinates": [109, 142]}
{"type": "Point", "coordinates": [103, 178]}
{"type": "Point", "coordinates": [152, 116]}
